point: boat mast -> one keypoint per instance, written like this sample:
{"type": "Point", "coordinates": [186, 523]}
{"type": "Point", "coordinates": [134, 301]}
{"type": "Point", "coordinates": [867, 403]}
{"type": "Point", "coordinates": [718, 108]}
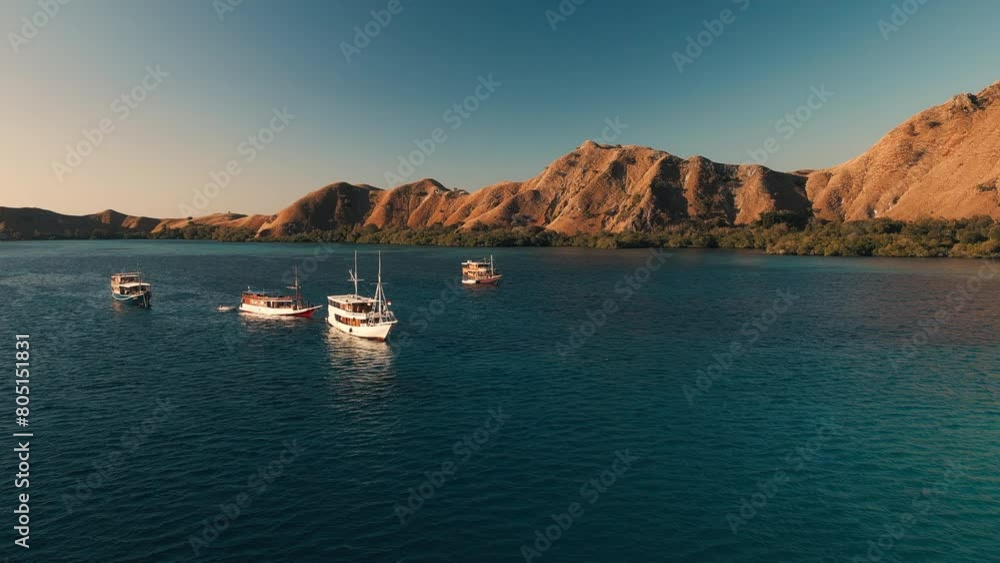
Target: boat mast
{"type": "Point", "coordinates": [354, 273]}
{"type": "Point", "coordinates": [298, 293]}
{"type": "Point", "coordinates": [379, 296]}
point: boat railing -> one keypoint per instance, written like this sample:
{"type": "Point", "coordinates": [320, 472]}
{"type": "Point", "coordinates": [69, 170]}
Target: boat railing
{"type": "Point", "coordinates": [373, 318]}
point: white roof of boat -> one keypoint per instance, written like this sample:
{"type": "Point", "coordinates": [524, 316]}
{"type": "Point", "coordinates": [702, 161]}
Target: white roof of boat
{"type": "Point", "coordinates": [267, 293]}
{"type": "Point", "coordinates": [277, 299]}
{"type": "Point", "coordinates": [133, 284]}
{"type": "Point", "coordinates": [351, 299]}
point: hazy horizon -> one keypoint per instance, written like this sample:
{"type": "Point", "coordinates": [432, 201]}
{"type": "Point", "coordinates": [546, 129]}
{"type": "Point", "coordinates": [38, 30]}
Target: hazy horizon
{"type": "Point", "coordinates": [294, 96]}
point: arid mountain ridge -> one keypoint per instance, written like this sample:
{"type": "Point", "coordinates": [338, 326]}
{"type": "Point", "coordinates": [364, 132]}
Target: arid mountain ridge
{"type": "Point", "coordinates": [943, 163]}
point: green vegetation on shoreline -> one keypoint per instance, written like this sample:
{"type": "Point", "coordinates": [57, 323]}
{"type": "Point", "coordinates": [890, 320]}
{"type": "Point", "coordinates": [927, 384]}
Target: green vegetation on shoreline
{"type": "Point", "coordinates": [774, 233]}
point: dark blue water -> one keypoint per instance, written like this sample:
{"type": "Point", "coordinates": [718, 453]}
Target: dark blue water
{"type": "Point", "coordinates": [855, 414]}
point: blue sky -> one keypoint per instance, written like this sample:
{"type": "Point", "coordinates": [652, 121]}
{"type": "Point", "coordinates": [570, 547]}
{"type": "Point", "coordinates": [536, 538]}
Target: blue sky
{"type": "Point", "coordinates": [354, 119]}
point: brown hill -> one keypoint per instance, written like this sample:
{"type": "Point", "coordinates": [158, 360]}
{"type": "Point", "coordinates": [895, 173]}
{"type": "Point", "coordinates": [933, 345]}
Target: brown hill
{"type": "Point", "coordinates": [419, 204]}
{"type": "Point", "coordinates": [32, 221]}
{"type": "Point", "coordinates": [325, 209]}
{"type": "Point", "coordinates": [119, 222]}
{"type": "Point", "coordinates": [594, 188]}
{"type": "Point", "coordinates": [943, 162]}
{"type": "Point", "coordinates": [615, 188]}
{"type": "Point", "coordinates": [235, 220]}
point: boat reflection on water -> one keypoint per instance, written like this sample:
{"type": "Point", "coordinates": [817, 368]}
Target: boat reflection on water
{"type": "Point", "coordinates": [127, 307]}
{"type": "Point", "coordinates": [270, 321]}
{"type": "Point", "coordinates": [362, 370]}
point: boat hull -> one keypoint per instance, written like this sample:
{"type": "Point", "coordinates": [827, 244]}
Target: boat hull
{"type": "Point", "coordinates": [492, 280]}
{"type": "Point", "coordinates": [306, 312]}
{"type": "Point", "coordinates": [378, 332]}
{"type": "Point", "coordinates": [138, 299]}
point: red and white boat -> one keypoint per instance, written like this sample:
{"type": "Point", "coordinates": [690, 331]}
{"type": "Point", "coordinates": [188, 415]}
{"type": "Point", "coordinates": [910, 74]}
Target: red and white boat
{"type": "Point", "coordinates": [480, 272]}
{"type": "Point", "coordinates": [274, 304]}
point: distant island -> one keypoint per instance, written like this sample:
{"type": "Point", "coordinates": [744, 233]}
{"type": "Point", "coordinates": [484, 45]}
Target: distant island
{"type": "Point", "coordinates": [927, 188]}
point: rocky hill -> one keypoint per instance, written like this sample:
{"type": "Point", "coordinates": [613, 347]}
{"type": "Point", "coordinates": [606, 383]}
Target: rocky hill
{"type": "Point", "coordinates": [28, 222]}
{"type": "Point", "coordinates": [325, 209]}
{"type": "Point", "coordinates": [594, 188]}
{"type": "Point", "coordinates": [943, 162]}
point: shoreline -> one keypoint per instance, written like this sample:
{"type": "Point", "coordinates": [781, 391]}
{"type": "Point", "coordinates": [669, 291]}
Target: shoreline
{"type": "Point", "coordinates": [778, 248]}
{"type": "Point", "coordinates": [776, 233]}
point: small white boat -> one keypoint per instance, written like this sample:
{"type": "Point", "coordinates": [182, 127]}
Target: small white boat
{"type": "Point", "coordinates": [129, 287]}
{"type": "Point", "coordinates": [225, 308]}
{"type": "Point", "coordinates": [357, 315]}
{"type": "Point", "coordinates": [277, 305]}
{"type": "Point", "coordinates": [480, 272]}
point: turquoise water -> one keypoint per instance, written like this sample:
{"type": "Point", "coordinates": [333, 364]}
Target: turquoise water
{"type": "Point", "coordinates": [853, 414]}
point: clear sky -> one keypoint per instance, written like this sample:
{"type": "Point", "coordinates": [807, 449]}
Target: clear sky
{"type": "Point", "coordinates": [220, 79]}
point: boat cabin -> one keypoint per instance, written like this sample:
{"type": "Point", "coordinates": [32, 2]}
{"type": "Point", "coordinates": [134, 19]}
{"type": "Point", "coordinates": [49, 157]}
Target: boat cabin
{"type": "Point", "coordinates": [269, 300]}
{"type": "Point", "coordinates": [126, 278]}
{"type": "Point", "coordinates": [128, 283]}
{"type": "Point", "coordinates": [133, 288]}
{"type": "Point", "coordinates": [479, 270]}
{"type": "Point", "coordinates": [352, 303]}
{"type": "Point", "coordinates": [355, 310]}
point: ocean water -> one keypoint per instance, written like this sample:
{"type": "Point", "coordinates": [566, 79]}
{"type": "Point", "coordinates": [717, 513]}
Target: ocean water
{"type": "Point", "coordinates": [597, 406]}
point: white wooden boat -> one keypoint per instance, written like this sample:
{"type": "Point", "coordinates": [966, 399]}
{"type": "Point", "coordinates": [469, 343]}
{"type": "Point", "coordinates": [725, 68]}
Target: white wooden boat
{"type": "Point", "coordinates": [480, 272]}
{"type": "Point", "coordinates": [129, 287]}
{"type": "Point", "coordinates": [362, 316]}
